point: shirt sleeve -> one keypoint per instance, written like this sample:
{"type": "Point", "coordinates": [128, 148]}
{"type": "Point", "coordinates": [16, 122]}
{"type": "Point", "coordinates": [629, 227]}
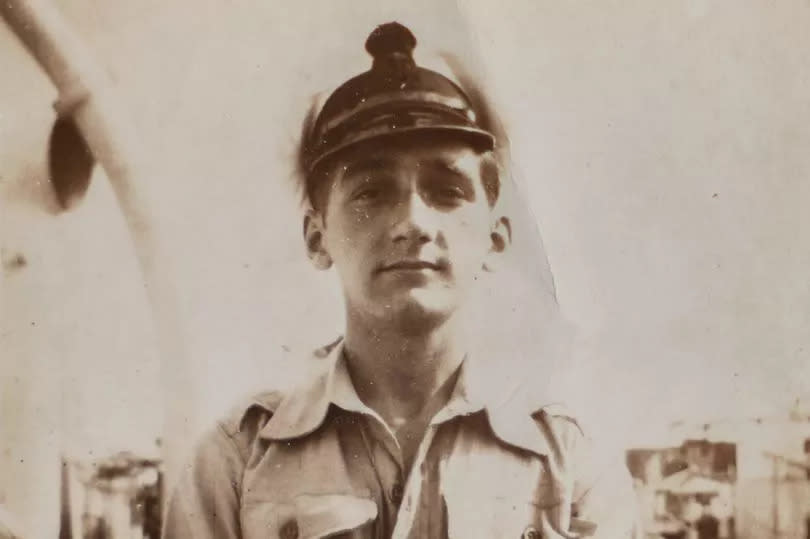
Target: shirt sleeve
{"type": "Point", "coordinates": [205, 501]}
{"type": "Point", "coordinates": [605, 505]}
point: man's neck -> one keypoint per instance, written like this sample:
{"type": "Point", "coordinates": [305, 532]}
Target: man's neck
{"type": "Point", "coordinates": [400, 375]}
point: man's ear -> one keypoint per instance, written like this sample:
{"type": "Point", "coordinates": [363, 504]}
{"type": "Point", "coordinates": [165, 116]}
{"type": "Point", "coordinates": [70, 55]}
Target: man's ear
{"type": "Point", "coordinates": [313, 237]}
{"type": "Point", "coordinates": [501, 238]}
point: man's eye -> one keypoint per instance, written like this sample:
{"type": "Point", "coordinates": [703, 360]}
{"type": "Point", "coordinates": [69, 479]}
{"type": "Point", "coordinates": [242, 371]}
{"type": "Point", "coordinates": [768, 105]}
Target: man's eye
{"type": "Point", "coordinates": [367, 194]}
{"type": "Point", "coordinates": [451, 192]}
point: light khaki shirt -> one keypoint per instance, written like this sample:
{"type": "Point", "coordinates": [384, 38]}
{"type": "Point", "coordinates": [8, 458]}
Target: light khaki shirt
{"type": "Point", "coordinates": [317, 462]}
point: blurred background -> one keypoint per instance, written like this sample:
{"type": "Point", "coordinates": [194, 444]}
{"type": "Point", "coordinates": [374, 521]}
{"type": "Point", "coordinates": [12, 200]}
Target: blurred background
{"type": "Point", "coordinates": [661, 149]}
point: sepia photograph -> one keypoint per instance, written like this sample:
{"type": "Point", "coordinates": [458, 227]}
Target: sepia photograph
{"type": "Point", "coordinates": [374, 269]}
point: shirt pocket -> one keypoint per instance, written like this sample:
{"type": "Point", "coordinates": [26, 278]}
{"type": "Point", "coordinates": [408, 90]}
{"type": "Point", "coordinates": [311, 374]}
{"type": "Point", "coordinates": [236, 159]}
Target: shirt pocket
{"type": "Point", "coordinates": [310, 517]}
{"type": "Point", "coordinates": [512, 519]}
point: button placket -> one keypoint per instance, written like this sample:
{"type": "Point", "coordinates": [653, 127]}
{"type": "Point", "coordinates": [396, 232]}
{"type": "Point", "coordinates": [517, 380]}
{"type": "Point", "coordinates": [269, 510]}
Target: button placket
{"type": "Point", "coordinates": [396, 492]}
{"type": "Point", "coordinates": [385, 467]}
{"type": "Point", "coordinates": [413, 488]}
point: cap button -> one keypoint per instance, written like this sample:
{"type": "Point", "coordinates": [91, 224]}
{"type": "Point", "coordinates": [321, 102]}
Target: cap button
{"type": "Point", "coordinates": [390, 38]}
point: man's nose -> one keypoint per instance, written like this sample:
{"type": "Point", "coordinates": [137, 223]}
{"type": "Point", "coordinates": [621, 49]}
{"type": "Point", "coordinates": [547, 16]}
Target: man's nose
{"type": "Point", "coordinates": [416, 220]}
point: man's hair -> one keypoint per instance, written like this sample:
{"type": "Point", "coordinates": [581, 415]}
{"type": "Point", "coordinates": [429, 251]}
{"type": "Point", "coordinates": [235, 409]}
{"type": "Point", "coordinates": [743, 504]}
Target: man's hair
{"type": "Point", "coordinates": [313, 185]}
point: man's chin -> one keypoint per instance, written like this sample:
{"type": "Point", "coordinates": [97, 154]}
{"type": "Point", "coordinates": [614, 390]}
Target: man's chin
{"type": "Point", "coordinates": [419, 311]}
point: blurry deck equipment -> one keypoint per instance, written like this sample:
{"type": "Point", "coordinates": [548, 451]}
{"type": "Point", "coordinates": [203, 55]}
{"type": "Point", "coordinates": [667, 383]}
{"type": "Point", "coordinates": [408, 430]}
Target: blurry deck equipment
{"type": "Point", "coordinates": [776, 530]}
{"type": "Point", "coordinates": [116, 496]}
{"type": "Point", "coordinates": [92, 126]}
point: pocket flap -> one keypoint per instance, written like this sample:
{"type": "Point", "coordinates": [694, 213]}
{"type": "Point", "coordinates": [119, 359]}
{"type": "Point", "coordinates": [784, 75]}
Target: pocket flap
{"type": "Point", "coordinates": [310, 516]}
{"type": "Point", "coordinates": [325, 514]}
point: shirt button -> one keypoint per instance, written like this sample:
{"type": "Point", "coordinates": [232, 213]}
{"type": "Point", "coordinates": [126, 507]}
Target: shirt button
{"type": "Point", "coordinates": [531, 533]}
{"type": "Point", "coordinates": [396, 492]}
{"type": "Point", "coordinates": [289, 530]}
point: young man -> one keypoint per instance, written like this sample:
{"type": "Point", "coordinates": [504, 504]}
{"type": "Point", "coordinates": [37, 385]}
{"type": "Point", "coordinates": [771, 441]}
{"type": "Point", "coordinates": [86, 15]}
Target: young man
{"type": "Point", "coordinates": [391, 440]}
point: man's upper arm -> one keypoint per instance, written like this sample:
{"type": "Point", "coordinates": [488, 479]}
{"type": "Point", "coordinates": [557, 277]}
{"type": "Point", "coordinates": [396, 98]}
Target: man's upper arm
{"type": "Point", "coordinates": [205, 501]}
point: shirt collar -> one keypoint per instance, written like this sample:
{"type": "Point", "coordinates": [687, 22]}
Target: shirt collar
{"type": "Point", "coordinates": [304, 409]}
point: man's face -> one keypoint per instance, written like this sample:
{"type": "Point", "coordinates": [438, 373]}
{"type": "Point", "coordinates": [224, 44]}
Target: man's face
{"type": "Point", "coordinates": [408, 227]}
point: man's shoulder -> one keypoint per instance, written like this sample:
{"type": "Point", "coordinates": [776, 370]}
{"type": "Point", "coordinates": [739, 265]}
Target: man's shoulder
{"type": "Point", "coordinates": [227, 443]}
{"type": "Point", "coordinates": [559, 418]}
{"type": "Point", "coordinates": [560, 413]}
{"type": "Point", "coordinates": [563, 428]}
{"type": "Point", "coordinates": [245, 421]}
{"type": "Point", "coordinates": [578, 445]}
{"type": "Point", "coordinates": [251, 413]}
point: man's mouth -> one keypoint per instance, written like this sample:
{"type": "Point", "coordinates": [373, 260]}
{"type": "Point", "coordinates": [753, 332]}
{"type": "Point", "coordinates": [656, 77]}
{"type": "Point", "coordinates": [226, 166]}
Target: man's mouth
{"type": "Point", "coordinates": [412, 265]}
